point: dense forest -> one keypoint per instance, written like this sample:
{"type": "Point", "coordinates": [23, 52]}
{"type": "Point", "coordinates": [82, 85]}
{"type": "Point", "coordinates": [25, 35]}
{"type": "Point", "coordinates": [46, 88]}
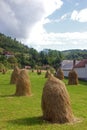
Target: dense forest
{"type": "Point", "coordinates": [22, 55]}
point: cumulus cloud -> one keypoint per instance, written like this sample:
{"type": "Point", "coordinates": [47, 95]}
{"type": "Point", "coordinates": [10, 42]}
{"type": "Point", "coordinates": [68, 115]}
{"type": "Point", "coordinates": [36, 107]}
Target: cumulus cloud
{"type": "Point", "coordinates": [25, 19]}
{"type": "Point", "coordinates": [60, 41]}
{"type": "Point", "coordinates": [19, 17]}
{"type": "Point", "coordinates": [79, 16]}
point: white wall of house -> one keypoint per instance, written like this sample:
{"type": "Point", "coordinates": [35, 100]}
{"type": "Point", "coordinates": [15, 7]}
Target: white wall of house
{"type": "Point", "coordinates": [66, 72]}
{"type": "Point", "coordinates": [82, 72]}
{"type": "Point", "coordinates": [8, 56]}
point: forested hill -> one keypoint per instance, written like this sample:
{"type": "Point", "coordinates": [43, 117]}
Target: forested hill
{"type": "Point", "coordinates": [75, 54]}
{"type": "Point", "coordinates": [12, 45]}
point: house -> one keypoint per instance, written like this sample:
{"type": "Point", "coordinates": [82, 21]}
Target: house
{"type": "Point", "coordinates": [67, 66]}
{"type": "Point", "coordinates": [8, 54]}
{"type": "Point", "coordinates": [81, 69]}
{"type": "Point", "coordinates": [28, 67]}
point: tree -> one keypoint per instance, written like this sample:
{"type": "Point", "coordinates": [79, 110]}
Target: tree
{"type": "Point", "coordinates": [12, 60]}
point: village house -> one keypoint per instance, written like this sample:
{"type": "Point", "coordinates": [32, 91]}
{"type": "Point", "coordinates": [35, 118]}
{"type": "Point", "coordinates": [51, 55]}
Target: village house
{"type": "Point", "coordinates": [79, 66]}
{"type": "Point", "coordinates": [67, 66]}
{"type": "Point", "coordinates": [27, 67]}
{"type": "Point", "coordinates": [8, 54]}
{"type": "Point", "coordinates": [81, 69]}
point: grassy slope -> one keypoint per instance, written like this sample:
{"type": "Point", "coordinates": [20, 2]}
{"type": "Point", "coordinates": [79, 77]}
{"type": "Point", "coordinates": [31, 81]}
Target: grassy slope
{"type": "Point", "coordinates": [23, 113]}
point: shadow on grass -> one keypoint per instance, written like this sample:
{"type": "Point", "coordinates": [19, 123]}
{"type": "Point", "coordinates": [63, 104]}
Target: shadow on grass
{"type": "Point", "coordinates": [9, 96]}
{"type": "Point", "coordinates": [83, 82]}
{"type": "Point", "coordinates": [28, 121]}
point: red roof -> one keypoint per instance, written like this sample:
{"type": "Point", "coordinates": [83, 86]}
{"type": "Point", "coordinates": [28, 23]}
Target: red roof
{"type": "Point", "coordinates": [7, 53]}
{"type": "Point", "coordinates": [82, 63]}
{"type": "Point", "coordinates": [27, 67]}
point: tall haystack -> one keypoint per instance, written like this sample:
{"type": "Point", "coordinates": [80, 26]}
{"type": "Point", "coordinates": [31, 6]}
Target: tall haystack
{"type": "Point", "coordinates": [73, 78]}
{"type": "Point", "coordinates": [47, 74]}
{"type": "Point", "coordinates": [23, 85]}
{"type": "Point", "coordinates": [14, 75]}
{"type": "Point", "coordinates": [60, 74]}
{"type": "Point", "coordinates": [55, 103]}
{"type": "Point", "coordinates": [39, 71]}
{"type": "Point", "coordinates": [4, 71]}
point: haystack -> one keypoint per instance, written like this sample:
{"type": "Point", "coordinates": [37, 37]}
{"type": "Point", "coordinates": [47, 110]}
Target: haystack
{"type": "Point", "coordinates": [55, 103]}
{"type": "Point", "coordinates": [47, 74]}
{"type": "Point", "coordinates": [23, 85]}
{"type": "Point", "coordinates": [39, 71]}
{"type": "Point", "coordinates": [32, 70]}
{"type": "Point", "coordinates": [4, 71]}
{"type": "Point", "coordinates": [60, 74]}
{"type": "Point", "coordinates": [14, 75]}
{"type": "Point", "coordinates": [73, 77]}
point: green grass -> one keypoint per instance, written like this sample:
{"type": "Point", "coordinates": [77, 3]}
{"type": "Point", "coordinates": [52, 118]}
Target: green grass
{"type": "Point", "coordinates": [24, 113]}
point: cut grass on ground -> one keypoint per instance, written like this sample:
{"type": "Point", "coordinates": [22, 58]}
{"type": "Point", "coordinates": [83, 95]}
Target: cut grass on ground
{"type": "Point", "coordinates": [24, 113]}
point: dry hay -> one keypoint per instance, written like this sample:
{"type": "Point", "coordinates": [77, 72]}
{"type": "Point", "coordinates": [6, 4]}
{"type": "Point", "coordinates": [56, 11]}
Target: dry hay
{"type": "Point", "coordinates": [39, 71]}
{"type": "Point", "coordinates": [4, 71]}
{"type": "Point", "coordinates": [60, 74]}
{"type": "Point", "coordinates": [32, 70]}
{"type": "Point", "coordinates": [55, 103]}
{"type": "Point", "coordinates": [14, 75]}
{"type": "Point", "coordinates": [47, 74]}
{"type": "Point", "coordinates": [73, 77]}
{"type": "Point", "coordinates": [23, 85]}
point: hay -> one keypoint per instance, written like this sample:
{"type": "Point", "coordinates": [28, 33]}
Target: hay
{"type": "Point", "coordinates": [14, 75]}
{"type": "Point", "coordinates": [23, 85]}
{"type": "Point", "coordinates": [60, 74]}
{"type": "Point", "coordinates": [32, 70]}
{"type": "Point", "coordinates": [4, 71]}
{"type": "Point", "coordinates": [73, 77]}
{"type": "Point", "coordinates": [39, 71]}
{"type": "Point", "coordinates": [55, 103]}
{"type": "Point", "coordinates": [47, 74]}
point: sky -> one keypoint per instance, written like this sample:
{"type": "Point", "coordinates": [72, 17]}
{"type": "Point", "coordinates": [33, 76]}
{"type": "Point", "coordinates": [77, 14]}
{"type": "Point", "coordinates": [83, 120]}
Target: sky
{"type": "Point", "coordinates": [45, 24]}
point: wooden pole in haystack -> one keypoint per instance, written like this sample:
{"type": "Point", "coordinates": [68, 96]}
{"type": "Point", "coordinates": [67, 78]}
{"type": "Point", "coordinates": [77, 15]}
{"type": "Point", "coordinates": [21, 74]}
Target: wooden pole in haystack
{"type": "Point", "coordinates": [72, 78]}
{"type": "Point", "coordinates": [39, 71]}
{"type": "Point", "coordinates": [60, 74]}
{"type": "Point", "coordinates": [55, 102]}
{"type": "Point", "coordinates": [4, 71]}
{"type": "Point", "coordinates": [14, 75]}
{"type": "Point", "coordinates": [47, 74]}
{"type": "Point", "coordinates": [23, 85]}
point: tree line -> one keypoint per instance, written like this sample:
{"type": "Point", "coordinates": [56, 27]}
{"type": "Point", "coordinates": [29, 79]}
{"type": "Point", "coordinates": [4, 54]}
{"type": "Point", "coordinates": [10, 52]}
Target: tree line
{"type": "Point", "coordinates": [25, 56]}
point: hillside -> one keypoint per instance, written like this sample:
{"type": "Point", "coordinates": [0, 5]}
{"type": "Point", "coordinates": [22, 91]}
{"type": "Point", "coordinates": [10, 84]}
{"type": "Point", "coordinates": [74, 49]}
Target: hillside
{"type": "Point", "coordinates": [23, 55]}
{"type": "Point", "coordinates": [15, 46]}
{"type": "Point", "coordinates": [75, 54]}
{"type": "Point", "coordinates": [12, 45]}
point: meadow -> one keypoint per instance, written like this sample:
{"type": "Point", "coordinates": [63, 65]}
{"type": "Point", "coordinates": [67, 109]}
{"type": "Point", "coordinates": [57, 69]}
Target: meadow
{"type": "Point", "coordinates": [24, 113]}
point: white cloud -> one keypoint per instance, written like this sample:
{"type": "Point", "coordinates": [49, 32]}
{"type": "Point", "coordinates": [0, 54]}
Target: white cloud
{"type": "Point", "coordinates": [51, 6]}
{"type": "Point", "coordinates": [64, 16]}
{"type": "Point", "coordinates": [74, 15]}
{"type": "Point", "coordinates": [19, 17]}
{"type": "Point", "coordinates": [60, 41]}
{"type": "Point", "coordinates": [80, 16]}
{"type": "Point", "coordinates": [25, 19]}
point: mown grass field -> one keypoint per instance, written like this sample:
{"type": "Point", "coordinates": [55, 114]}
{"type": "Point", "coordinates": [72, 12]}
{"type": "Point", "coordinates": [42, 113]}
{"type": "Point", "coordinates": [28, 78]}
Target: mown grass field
{"type": "Point", "coordinates": [24, 113]}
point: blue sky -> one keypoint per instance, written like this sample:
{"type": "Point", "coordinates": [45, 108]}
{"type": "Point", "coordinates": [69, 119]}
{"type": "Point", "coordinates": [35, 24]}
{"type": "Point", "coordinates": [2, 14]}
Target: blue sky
{"type": "Point", "coordinates": [46, 24]}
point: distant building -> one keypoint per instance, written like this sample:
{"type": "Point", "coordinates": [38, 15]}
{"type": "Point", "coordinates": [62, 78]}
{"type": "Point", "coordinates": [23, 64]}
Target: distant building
{"type": "Point", "coordinates": [81, 69]}
{"type": "Point", "coordinates": [8, 54]}
{"type": "Point", "coordinates": [79, 66]}
{"type": "Point", "coordinates": [68, 65]}
{"type": "Point", "coordinates": [27, 67]}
